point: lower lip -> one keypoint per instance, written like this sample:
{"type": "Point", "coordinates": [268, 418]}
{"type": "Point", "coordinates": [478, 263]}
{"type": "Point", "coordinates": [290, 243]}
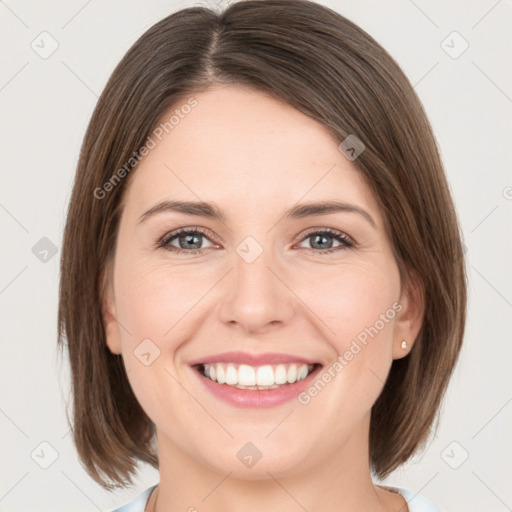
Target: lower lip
{"type": "Point", "coordinates": [257, 398]}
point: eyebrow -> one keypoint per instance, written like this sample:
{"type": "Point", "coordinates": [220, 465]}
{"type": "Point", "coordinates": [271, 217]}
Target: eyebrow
{"type": "Point", "coordinates": [212, 211]}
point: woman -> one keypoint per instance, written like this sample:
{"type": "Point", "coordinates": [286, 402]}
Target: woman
{"type": "Point", "coordinates": [263, 290]}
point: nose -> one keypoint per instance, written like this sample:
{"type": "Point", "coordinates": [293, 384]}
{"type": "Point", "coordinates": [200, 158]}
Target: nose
{"type": "Point", "coordinates": [257, 298]}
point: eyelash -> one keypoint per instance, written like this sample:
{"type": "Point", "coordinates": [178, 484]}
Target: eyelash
{"type": "Point", "coordinates": [345, 240]}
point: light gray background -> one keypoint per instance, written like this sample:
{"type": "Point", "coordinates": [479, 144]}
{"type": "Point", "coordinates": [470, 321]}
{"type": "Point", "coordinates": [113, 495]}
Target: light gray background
{"type": "Point", "coordinates": [45, 107]}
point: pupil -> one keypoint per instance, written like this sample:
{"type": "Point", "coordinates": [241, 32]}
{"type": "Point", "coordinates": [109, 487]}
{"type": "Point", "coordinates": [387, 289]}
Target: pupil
{"type": "Point", "coordinates": [323, 238]}
{"type": "Point", "coordinates": [189, 239]}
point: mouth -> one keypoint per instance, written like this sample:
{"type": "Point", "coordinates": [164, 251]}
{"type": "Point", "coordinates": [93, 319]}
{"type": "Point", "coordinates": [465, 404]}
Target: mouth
{"type": "Point", "coordinates": [255, 381]}
{"type": "Point", "coordinates": [256, 378]}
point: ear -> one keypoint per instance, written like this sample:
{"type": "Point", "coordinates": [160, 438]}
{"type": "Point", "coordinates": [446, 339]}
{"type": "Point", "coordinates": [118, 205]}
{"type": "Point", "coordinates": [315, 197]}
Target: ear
{"type": "Point", "coordinates": [410, 317]}
{"type": "Point", "coordinates": [108, 311]}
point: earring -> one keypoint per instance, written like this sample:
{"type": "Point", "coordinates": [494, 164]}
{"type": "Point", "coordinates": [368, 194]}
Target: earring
{"type": "Point", "coordinates": [404, 344]}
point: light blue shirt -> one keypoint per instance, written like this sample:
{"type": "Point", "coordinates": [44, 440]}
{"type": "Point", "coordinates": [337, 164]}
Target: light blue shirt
{"type": "Point", "coordinates": [416, 502]}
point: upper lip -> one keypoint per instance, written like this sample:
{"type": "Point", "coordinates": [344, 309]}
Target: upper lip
{"type": "Point", "coordinates": [252, 359]}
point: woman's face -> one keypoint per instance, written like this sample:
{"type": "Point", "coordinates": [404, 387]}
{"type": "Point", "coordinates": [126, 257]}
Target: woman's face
{"type": "Point", "coordinates": [269, 295]}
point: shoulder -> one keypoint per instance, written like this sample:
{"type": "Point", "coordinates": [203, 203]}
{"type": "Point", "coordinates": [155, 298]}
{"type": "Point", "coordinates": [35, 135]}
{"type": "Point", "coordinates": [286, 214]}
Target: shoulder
{"type": "Point", "coordinates": [138, 504]}
{"type": "Point", "coordinates": [417, 502]}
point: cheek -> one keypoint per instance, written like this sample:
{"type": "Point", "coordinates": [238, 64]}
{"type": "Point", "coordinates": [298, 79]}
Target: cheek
{"type": "Point", "coordinates": [351, 299]}
{"type": "Point", "coordinates": [358, 306]}
{"type": "Point", "coordinates": [152, 298]}
{"type": "Point", "coordinates": [152, 302]}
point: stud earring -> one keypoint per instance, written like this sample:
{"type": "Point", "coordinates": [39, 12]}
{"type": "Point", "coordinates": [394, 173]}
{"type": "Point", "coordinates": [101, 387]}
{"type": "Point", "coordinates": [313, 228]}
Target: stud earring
{"type": "Point", "coordinates": [404, 344]}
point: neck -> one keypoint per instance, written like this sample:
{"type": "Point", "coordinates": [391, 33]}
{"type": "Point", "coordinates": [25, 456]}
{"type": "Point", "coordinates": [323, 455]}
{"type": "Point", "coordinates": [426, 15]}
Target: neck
{"type": "Point", "coordinates": [341, 483]}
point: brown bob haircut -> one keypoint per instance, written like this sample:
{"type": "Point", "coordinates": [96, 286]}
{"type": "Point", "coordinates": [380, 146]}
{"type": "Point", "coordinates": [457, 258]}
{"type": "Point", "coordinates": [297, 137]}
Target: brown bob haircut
{"type": "Point", "coordinates": [325, 66]}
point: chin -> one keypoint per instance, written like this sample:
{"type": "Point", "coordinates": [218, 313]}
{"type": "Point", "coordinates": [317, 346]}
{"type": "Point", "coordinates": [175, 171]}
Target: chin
{"type": "Point", "coordinates": [252, 464]}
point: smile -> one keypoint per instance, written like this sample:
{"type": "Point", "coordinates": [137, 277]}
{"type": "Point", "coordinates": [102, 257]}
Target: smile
{"type": "Point", "coordinates": [243, 376]}
{"type": "Point", "coordinates": [258, 381]}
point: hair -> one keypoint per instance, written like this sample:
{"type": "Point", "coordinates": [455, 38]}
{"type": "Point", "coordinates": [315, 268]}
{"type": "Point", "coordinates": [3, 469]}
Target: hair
{"type": "Point", "coordinates": [325, 66]}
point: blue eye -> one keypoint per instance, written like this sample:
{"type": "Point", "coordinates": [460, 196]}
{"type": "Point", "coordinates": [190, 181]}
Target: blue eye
{"type": "Point", "coordinates": [321, 239]}
{"type": "Point", "coordinates": [190, 241]}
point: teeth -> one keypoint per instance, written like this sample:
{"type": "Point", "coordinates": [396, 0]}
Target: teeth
{"type": "Point", "coordinates": [221, 374]}
{"type": "Point", "coordinates": [231, 375]}
{"type": "Point", "coordinates": [292, 374]}
{"type": "Point", "coordinates": [265, 376]}
{"type": "Point", "coordinates": [248, 377]}
{"type": "Point", "coordinates": [280, 375]}
{"type": "Point", "coordinates": [302, 372]}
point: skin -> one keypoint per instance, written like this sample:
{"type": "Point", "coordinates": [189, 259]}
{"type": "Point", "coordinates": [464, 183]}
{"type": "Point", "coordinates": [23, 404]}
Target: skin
{"type": "Point", "coordinates": [255, 157]}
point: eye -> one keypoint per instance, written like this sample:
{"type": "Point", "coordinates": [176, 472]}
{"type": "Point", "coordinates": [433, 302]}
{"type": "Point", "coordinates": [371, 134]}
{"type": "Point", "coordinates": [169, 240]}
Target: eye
{"type": "Point", "coordinates": [187, 239]}
{"type": "Point", "coordinates": [322, 240]}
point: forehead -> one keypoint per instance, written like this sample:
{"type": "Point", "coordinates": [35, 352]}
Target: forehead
{"type": "Point", "coordinates": [238, 146]}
